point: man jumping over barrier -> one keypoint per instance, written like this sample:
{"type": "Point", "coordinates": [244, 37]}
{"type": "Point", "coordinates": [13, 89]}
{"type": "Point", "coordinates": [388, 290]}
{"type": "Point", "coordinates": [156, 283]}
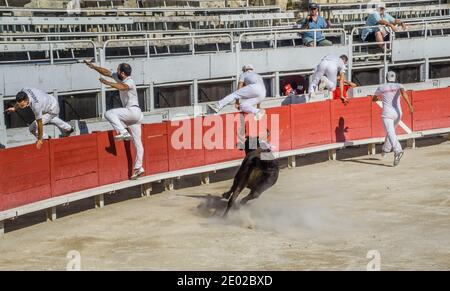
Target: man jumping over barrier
{"type": "Point", "coordinates": [327, 72]}
{"type": "Point", "coordinates": [251, 91]}
{"type": "Point", "coordinates": [46, 110]}
{"type": "Point", "coordinates": [130, 115]}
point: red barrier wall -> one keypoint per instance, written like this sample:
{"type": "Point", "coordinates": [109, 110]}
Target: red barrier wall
{"type": "Point", "coordinates": [431, 109]}
{"type": "Point", "coordinates": [185, 144]}
{"type": "Point", "coordinates": [377, 123]}
{"type": "Point", "coordinates": [311, 124]}
{"type": "Point", "coordinates": [285, 134]}
{"type": "Point", "coordinates": [156, 156]}
{"type": "Point", "coordinates": [74, 164]}
{"type": "Point", "coordinates": [352, 121]}
{"type": "Point", "coordinates": [115, 158]}
{"type": "Point", "coordinates": [223, 148]}
{"type": "Point", "coordinates": [24, 175]}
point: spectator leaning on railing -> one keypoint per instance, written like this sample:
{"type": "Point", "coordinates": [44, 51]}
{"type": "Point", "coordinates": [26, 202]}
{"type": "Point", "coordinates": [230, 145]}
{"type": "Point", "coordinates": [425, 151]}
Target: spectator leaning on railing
{"type": "Point", "coordinates": [379, 17]}
{"type": "Point", "coordinates": [314, 21]}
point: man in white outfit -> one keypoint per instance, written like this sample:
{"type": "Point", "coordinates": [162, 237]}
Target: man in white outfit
{"type": "Point", "coordinates": [251, 91]}
{"type": "Point", "coordinates": [327, 72]}
{"type": "Point", "coordinates": [389, 94]}
{"type": "Point", "coordinates": [130, 115]}
{"type": "Point", "coordinates": [46, 110]}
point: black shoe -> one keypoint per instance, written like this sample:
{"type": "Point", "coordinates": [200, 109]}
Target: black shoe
{"type": "Point", "coordinates": [68, 132]}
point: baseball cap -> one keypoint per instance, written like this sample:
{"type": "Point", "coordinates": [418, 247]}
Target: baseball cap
{"type": "Point", "coordinates": [247, 67]}
{"type": "Point", "coordinates": [391, 76]}
{"type": "Point", "coordinates": [313, 5]}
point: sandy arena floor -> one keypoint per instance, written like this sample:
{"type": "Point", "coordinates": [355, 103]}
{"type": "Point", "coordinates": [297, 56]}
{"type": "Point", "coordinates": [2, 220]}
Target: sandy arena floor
{"type": "Point", "coordinates": [323, 215]}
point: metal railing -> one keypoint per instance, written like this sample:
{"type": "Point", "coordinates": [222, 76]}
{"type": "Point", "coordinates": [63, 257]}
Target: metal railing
{"type": "Point", "coordinates": [356, 49]}
{"type": "Point", "coordinates": [172, 41]}
{"type": "Point", "coordinates": [274, 36]}
{"type": "Point", "coordinates": [47, 46]}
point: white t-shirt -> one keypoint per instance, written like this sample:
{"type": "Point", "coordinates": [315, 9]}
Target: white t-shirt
{"type": "Point", "coordinates": [128, 97]}
{"type": "Point", "coordinates": [41, 103]}
{"type": "Point", "coordinates": [250, 77]}
{"type": "Point", "coordinates": [331, 58]}
{"type": "Point", "coordinates": [390, 97]}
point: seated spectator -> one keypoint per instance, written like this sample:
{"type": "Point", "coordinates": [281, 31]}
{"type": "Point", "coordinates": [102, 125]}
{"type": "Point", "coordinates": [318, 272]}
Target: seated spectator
{"type": "Point", "coordinates": [379, 34]}
{"type": "Point", "coordinates": [314, 21]}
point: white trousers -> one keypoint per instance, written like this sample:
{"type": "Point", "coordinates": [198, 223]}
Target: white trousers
{"type": "Point", "coordinates": [49, 118]}
{"type": "Point", "coordinates": [391, 143]}
{"type": "Point", "coordinates": [130, 117]}
{"type": "Point", "coordinates": [327, 69]}
{"type": "Point", "coordinates": [250, 96]}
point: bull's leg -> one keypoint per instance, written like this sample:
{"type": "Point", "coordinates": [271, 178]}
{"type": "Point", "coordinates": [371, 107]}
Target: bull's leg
{"type": "Point", "coordinates": [241, 173]}
{"type": "Point", "coordinates": [266, 181]}
{"type": "Point", "coordinates": [253, 195]}
{"type": "Point", "coordinates": [231, 201]}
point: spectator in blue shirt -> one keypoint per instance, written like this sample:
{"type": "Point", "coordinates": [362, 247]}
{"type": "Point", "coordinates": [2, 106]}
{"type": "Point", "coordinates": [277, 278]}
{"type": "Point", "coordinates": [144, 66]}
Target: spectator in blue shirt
{"type": "Point", "coordinates": [379, 34]}
{"type": "Point", "coordinates": [314, 21]}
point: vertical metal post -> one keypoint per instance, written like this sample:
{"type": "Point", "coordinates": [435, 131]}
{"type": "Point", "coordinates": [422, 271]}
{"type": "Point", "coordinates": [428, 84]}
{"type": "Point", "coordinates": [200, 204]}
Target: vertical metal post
{"type": "Point", "coordinates": [51, 53]}
{"type": "Point", "coordinates": [427, 69]}
{"type": "Point", "coordinates": [2, 123]}
{"type": "Point", "coordinates": [150, 98]}
{"type": "Point", "coordinates": [350, 57]}
{"type": "Point", "coordinates": [194, 93]}
{"type": "Point", "coordinates": [102, 99]}
{"type": "Point", "coordinates": [277, 84]}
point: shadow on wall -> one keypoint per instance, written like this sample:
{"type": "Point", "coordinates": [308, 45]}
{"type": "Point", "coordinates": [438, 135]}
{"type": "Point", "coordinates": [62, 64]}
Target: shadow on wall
{"type": "Point", "coordinates": [111, 149]}
{"type": "Point", "coordinates": [340, 130]}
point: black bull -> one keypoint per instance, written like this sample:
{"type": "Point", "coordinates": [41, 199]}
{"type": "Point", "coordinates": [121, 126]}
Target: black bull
{"type": "Point", "coordinates": [254, 173]}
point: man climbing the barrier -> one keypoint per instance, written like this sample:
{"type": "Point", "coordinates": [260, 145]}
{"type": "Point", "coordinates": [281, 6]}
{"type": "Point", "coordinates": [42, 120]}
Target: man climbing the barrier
{"type": "Point", "coordinates": [130, 114]}
{"type": "Point", "coordinates": [389, 94]}
{"type": "Point", "coordinates": [251, 91]}
{"type": "Point", "coordinates": [46, 110]}
{"type": "Point", "coordinates": [327, 72]}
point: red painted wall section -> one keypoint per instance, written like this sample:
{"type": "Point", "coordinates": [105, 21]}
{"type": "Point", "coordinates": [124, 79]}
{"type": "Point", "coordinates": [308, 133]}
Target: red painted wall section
{"type": "Point", "coordinates": [220, 138]}
{"type": "Point", "coordinates": [156, 155]}
{"type": "Point", "coordinates": [282, 115]}
{"type": "Point", "coordinates": [431, 109]}
{"type": "Point", "coordinates": [352, 121]}
{"type": "Point", "coordinates": [24, 175]}
{"type": "Point", "coordinates": [443, 110]}
{"type": "Point", "coordinates": [185, 144]}
{"type": "Point", "coordinates": [311, 124]}
{"type": "Point", "coordinates": [74, 164]}
{"type": "Point", "coordinates": [115, 158]}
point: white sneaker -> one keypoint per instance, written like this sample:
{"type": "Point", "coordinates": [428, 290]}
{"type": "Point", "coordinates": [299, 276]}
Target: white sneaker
{"type": "Point", "coordinates": [137, 173]}
{"type": "Point", "coordinates": [260, 114]}
{"type": "Point", "coordinates": [383, 154]}
{"type": "Point", "coordinates": [123, 136]}
{"type": "Point", "coordinates": [397, 158]}
{"type": "Point", "coordinates": [214, 107]}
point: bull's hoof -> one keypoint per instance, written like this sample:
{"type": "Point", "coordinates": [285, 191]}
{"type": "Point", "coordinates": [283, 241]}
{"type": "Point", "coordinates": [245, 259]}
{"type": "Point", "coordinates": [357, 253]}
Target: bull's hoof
{"type": "Point", "coordinates": [226, 195]}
